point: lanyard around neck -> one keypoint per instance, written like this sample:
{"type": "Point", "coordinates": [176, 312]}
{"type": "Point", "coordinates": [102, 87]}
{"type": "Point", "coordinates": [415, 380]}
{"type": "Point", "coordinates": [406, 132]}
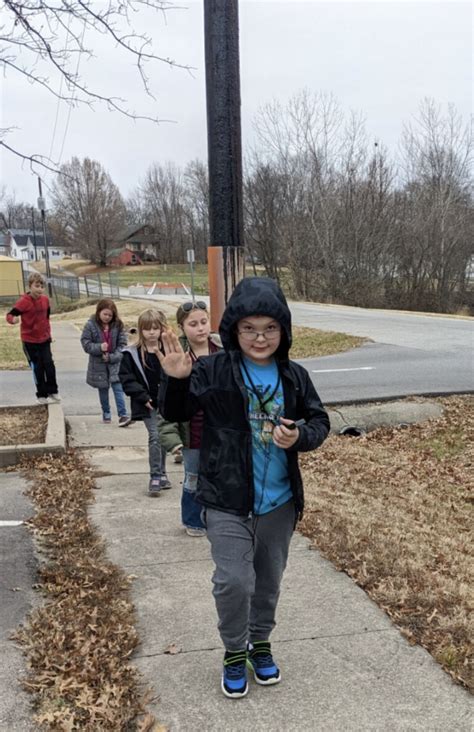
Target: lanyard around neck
{"type": "Point", "coordinates": [262, 402]}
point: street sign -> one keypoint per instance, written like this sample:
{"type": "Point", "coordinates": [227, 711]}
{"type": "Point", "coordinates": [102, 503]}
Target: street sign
{"type": "Point", "coordinates": [190, 255]}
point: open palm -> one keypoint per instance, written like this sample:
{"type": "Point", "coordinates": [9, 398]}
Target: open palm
{"type": "Point", "coordinates": [174, 361]}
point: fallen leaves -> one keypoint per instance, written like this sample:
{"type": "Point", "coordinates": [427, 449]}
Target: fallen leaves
{"type": "Point", "coordinates": [23, 425]}
{"type": "Point", "coordinates": [393, 509]}
{"type": "Point", "coordinates": [78, 644]}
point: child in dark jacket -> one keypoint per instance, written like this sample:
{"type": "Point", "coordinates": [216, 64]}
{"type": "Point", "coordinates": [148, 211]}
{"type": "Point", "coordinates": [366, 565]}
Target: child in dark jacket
{"type": "Point", "coordinates": [140, 374]}
{"type": "Point", "coordinates": [260, 409]}
{"type": "Point", "coordinates": [35, 330]}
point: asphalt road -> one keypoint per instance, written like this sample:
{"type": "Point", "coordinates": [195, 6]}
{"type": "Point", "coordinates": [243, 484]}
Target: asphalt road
{"type": "Point", "coordinates": [410, 354]}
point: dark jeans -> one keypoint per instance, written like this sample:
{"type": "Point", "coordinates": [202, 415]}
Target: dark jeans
{"type": "Point", "coordinates": [40, 359]}
{"type": "Point", "coordinates": [190, 508]}
{"type": "Point", "coordinates": [156, 453]}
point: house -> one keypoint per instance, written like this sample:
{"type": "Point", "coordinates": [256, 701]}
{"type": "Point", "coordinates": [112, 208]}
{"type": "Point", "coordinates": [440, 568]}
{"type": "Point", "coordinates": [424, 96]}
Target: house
{"type": "Point", "coordinates": [122, 256]}
{"type": "Point", "coordinates": [27, 244]}
{"type": "Point", "coordinates": [140, 239]}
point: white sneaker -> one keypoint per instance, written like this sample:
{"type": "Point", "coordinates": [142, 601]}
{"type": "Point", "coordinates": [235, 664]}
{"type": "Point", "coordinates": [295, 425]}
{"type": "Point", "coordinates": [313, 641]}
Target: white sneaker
{"type": "Point", "coordinates": [195, 532]}
{"type": "Point", "coordinates": [42, 400]}
{"type": "Point", "coordinates": [54, 398]}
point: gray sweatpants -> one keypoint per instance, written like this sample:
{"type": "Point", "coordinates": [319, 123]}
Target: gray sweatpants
{"type": "Point", "coordinates": [250, 554]}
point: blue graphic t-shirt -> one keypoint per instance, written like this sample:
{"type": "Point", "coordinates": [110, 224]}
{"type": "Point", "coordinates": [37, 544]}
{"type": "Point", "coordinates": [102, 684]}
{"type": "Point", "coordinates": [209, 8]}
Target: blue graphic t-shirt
{"type": "Point", "coordinates": [270, 465]}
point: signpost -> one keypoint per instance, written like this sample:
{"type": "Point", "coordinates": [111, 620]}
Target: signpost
{"type": "Point", "coordinates": [190, 258]}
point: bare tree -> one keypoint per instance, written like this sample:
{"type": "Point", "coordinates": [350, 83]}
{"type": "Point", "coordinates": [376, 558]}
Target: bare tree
{"type": "Point", "coordinates": [196, 203]}
{"type": "Point", "coordinates": [435, 241]}
{"type": "Point", "coordinates": [43, 41]}
{"type": "Point", "coordinates": [163, 198]}
{"type": "Point", "coordinates": [90, 208]}
{"type": "Point", "coordinates": [14, 214]}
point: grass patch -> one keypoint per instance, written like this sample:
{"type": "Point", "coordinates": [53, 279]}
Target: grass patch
{"type": "Point", "coordinates": [128, 311]}
{"type": "Point", "coordinates": [11, 349]}
{"type": "Point", "coordinates": [393, 510]}
{"type": "Point", "coordinates": [310, 342]}
{"type": "Point", "coordinates": [78, 644]}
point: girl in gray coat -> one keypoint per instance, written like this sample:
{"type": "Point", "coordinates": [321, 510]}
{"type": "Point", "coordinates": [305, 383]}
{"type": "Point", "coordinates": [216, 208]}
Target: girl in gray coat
{"type": "Point", "coordinates": [104, 338]}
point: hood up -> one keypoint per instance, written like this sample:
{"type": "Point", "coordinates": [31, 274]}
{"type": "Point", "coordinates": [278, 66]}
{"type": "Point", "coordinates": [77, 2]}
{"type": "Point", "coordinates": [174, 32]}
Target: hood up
{"type": "Point", "coordinates": [256, 296]}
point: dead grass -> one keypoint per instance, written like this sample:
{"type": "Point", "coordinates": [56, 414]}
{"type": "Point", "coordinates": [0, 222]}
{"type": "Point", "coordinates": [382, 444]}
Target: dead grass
{"type": "Point", "coordinates": [310, 342]}
{"type": "Point", "coordinates": [23, 425]}
{"type": "Point", "coordinates": [128, 310]}
{"type": "Point", "coordinates": [394, 509]}
{"type": "Point", "coordinates": [78, 645]}
{"type": "Point", "coordinates": [11, 349]}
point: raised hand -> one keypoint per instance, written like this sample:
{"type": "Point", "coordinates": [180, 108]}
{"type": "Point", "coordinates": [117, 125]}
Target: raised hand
{"type": "Point", "coordinates": [174, 361]}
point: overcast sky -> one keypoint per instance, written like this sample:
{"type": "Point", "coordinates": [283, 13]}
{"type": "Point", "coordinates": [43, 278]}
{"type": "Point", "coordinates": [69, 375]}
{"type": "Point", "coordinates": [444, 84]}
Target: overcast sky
{"type": "Point", "coordinates": [379, 58]}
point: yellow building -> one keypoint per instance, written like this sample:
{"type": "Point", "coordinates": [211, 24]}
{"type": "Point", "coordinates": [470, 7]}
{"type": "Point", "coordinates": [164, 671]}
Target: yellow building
{"type": "Point", "coordinates": [11, 278]}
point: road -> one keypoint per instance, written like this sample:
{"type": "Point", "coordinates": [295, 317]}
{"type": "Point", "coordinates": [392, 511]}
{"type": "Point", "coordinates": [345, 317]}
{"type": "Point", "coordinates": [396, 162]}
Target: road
{"type": "Point", "coordinates": [410, 354]}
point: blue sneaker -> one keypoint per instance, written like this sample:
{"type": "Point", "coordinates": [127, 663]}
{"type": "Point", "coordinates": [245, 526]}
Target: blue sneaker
{"type": "Point", "coordinates": [234, 678]}
{"type": "Point", "coordinates": [260, 661]}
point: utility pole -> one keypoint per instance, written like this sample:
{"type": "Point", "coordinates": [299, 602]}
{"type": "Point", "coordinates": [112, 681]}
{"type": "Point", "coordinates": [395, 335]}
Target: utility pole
{"type": "Point", "coordinates": [42, 206]}
{"type": "Point", "coordinates": [34, 233]}
{"type": "Point", "coordinates": [225, 254]}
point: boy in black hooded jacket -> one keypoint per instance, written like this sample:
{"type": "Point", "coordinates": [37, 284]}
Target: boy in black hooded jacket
{"type": "Point", "coordinates": [260, 410]}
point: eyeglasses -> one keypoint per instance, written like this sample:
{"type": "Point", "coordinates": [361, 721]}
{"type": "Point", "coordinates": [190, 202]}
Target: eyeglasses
{"type": "Point", "coordinates": [270, 334]}
{"type": "Point", "coordinates": [188, 306]}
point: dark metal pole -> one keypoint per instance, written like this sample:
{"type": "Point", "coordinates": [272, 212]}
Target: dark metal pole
{"type": "Point", "coordinates": [221, 28]}
{"type": "Point", "coordinates": [34, 233]}
{"type": "Point", "coordinates": [42, 206]}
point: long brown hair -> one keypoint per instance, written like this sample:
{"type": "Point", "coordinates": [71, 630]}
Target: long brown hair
{"type": "Point", "coordinates": [107, 304]}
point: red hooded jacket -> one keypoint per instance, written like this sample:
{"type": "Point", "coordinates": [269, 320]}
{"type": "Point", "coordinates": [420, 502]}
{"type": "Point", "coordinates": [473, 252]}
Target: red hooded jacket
{"type": "Point", "coordinates": [34, 313]}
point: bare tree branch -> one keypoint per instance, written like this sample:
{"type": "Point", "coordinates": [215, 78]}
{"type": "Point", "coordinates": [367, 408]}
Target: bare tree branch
{"type": "Point", "coordinates": [38, 37]}
{"type": "Point", "coordinates": [33, 159]}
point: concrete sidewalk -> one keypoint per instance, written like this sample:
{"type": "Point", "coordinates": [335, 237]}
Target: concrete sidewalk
{"type": "Point", "coordinates": [344, 665]}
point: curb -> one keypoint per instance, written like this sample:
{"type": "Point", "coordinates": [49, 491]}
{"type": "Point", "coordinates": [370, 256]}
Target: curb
{"type": "Point", "coordinates": [55, 440]}
{"type": "Point", "coordinates": [369, 417]}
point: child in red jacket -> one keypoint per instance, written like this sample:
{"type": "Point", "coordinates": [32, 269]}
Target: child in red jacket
{"type": "Point", "coordinates": [35, 331]}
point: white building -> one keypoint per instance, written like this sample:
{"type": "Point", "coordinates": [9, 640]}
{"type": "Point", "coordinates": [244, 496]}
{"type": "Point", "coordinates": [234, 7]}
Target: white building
{"type": "Point", "coordinates": [21, 245]}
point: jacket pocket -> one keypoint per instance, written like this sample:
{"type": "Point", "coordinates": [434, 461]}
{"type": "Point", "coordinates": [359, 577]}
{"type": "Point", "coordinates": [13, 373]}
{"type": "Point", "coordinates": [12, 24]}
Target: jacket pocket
{"type": "Point", "coordinates": [224, 469]}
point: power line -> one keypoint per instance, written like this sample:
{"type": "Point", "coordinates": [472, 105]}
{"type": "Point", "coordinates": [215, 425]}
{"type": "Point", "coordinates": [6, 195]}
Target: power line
{"type": "Point", "coordinates": [59, 95]}
{"type": "Point", "coordinates": [74, 91]}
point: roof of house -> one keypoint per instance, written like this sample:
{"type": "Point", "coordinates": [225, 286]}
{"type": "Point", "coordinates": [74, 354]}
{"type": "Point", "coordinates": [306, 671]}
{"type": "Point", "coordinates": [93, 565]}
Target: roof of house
{"type": "Point", "coordinates": [129, 231]}
{"type": "Point", "coordinates": [21, 237]}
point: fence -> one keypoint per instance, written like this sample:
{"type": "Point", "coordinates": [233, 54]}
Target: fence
{"type": "Point", "coordinates": [102, 285]}
{"type": "Point", "coordinates": [58, 289]}
{"type": "Point", "coordinates": [64, 288]}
